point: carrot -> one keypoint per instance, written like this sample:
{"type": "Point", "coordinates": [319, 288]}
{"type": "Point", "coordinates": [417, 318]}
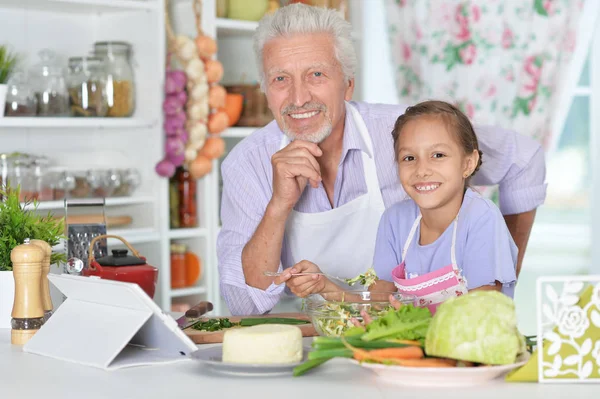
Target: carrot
{"type": "Point", "coordinates": [410, 352]}
{"type": "Point", "coordinates": [404, 341]}
{"type": "Point", "coordinates": [385, 355]}
{"type": "Point", "coordinates": [427, 362]}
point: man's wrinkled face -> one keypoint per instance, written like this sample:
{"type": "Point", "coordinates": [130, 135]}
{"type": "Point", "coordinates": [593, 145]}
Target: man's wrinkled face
{"type": "Point", "coordinates": [305, 85]}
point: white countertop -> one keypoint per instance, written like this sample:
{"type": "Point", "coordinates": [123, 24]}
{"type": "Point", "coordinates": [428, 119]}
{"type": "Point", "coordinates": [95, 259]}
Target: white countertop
{"type": "Point", "coordinates": [25, 375]}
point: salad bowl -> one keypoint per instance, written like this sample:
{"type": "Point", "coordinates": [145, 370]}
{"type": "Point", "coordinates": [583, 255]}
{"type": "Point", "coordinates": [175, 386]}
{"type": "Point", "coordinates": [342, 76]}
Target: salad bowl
{"type": "Point", "coordinates": [332, 312]}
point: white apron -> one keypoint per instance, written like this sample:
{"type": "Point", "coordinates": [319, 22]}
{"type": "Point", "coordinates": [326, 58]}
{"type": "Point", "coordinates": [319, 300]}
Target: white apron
{"type": "Point", "coordinates": [340, 241]}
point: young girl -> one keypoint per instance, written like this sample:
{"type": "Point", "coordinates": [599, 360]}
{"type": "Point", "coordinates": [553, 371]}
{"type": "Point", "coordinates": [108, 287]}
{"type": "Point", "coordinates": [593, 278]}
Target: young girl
{"type": "Point", "coordinates": [446, 239]}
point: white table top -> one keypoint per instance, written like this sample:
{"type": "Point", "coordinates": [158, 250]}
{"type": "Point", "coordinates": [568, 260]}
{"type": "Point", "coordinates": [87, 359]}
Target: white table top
{"type": "Point", "coordinates": [25, 375]}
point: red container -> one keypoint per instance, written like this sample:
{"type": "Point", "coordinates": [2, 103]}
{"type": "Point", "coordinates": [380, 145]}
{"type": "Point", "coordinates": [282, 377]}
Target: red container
{"type": "Point", "coordinates": [123, 267]}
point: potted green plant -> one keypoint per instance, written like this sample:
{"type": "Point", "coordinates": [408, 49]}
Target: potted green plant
{"type": "Point", "coordinates": [19, 221]}
{"type": "Point", "coordinates": [8, 63]}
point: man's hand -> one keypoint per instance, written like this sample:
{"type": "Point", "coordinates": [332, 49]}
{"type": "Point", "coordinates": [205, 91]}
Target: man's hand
{"type": "Point", "coordinates": [303, 286]}
{"type": "Point", "coordinates": [293, 168]}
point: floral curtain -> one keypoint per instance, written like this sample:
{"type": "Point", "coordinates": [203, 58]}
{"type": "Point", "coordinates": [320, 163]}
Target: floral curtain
{"type": "Point", "coordinates": [501, 61]}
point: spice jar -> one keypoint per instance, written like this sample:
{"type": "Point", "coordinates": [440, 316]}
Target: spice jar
{"type": "Point", "coordinates": [120, 86]}
{"type": "Point", "coordinates": [20, 99]}
{"type": "Point", "coordinates": [49, 86]}
{"type": "Point", "coordinates": [186, 192]}
{"type": "Point", "coordinates": [178, 269]}
{"type": "Point", "coordinates": [86, 82]}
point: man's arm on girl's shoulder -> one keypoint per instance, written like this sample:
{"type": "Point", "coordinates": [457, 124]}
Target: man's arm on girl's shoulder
{"type": "Point", "coordinates": [489, 253]}
{"type": "Point", "coordinates": [516, 163]}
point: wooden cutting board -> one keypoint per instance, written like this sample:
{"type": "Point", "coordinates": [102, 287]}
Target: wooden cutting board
{"type": "Point", "coordinates": [215, 337]}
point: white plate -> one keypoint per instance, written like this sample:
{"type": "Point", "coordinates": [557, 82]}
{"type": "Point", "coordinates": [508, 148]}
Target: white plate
{"type": "Point", "coordinates": [441, 377]}
{"type": "Point", "coordinates": [212, 359]}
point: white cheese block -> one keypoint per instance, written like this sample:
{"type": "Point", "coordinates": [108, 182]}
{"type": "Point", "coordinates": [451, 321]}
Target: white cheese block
{"type": "Point", "coordinates": [263, 344]}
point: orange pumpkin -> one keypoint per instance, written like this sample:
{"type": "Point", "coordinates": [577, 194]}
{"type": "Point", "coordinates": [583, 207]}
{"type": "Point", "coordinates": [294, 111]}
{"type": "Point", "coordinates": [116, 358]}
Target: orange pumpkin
{"type": "Point", "coordinates": [217, 122]}
{"type": "Point", "coordinates": [217, 96]}
{"type": "Point", "coordinates": [214, 147]}
{"type": "Point", "coordinates": [214, 71]}
{"type": "Point", "coordinates": [233, 107]}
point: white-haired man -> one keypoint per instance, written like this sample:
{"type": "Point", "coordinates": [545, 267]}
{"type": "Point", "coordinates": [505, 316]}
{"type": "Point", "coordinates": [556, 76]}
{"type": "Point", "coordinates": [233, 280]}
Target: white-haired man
{"type": "Point", "coordinates": [306, 192]}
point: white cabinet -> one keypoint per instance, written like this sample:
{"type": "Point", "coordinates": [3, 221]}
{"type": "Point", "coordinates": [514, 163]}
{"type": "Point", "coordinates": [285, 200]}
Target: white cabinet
{"type": "Point", "coordinates": [70, 27]}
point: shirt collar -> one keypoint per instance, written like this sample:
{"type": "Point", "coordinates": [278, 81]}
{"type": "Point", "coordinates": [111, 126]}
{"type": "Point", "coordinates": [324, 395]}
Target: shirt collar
{"type": "Point", "coordinates": [352, 140]}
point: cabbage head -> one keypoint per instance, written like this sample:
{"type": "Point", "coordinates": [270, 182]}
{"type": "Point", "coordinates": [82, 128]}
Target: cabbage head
{"type": "Point", "coordinates": [480, 327]}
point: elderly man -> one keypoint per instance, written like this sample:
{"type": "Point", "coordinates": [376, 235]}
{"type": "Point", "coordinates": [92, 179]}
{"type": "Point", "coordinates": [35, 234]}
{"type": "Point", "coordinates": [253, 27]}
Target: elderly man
{"type": "Point", "coordinates": [306, 192]}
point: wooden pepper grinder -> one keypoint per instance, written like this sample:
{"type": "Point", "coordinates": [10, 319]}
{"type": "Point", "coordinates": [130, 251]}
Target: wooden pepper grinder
{"type": "Point", "coordinates": [45, 284]}
{"type": "Point", "coordinates": [28, 311]}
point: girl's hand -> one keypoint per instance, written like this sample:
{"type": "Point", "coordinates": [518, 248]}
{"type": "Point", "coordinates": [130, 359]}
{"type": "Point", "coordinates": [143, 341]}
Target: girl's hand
{"type": "Point", "coordinates": [303, 286]}
{"type": "Point", "coordinates": [367, 319]}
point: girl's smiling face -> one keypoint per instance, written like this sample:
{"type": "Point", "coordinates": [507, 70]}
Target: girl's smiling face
{"type": "Point", "coordinates": [432, 165]}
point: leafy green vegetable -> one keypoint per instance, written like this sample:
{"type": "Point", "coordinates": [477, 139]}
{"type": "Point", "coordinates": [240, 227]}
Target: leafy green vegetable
{"type": "Point", "coordinates": [480, 327]}
{"type": "Point", "coordinates": [408, 322]}
{"type": "Point", "coordinates": [213, 324]}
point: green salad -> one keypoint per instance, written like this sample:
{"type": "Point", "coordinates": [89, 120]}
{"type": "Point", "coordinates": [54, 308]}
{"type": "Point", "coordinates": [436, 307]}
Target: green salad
{"type": "Point", "coordinates": [333, 319]}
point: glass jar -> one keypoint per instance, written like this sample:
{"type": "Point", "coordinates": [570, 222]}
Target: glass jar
{"type": "Point", "coordinates": [20, 176]}
{"type": "Point", "coordinates": [4, 162]}
{"type": "Point", "coordinates": [20, 98]}
{"type": "Point", "coordinates": [86, 83]}
{"type": "Point", "coordinates": [178, 269]}
{"type": "Point", "coordinates": [173, 203]}
{"type": "Point", "coordinates": [120, 82]}
{"type": "Point", "coordinates": [61, 181]}
{"type": "Point", "coordinates": [49, 86]}
{"type": "Point", "coordinates": [40, 180]}
{"type": "Point", "coordinates": [81, 187]}
{"type": "Point", "coordinates": [130, 180]}
{"type": "Point", "coordinates": [186, 191]}
{"type": "Point", "coordinates": [103, 182]}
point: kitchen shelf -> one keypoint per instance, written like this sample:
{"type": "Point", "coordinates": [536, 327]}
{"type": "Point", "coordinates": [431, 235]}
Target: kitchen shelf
{"type": "Point", "coordinates": [81, 6]}
{"type": "Point", "coordinates": [234, 27]}
{"type": "Point", "coordinates": [175, 234]}
{"type": "Point", "coordinates": [239, 132]}
{"type": "Point", "coordinates": [134, 236]}
{"type": "Point", "coordinates": [115, 201]}
{"type": "Point", "coordinates": [74, 122]}
{"type": "Point", "coordinates": [179, 292]}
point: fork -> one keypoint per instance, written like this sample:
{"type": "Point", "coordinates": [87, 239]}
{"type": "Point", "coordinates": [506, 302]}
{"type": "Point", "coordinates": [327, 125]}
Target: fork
{"type": "Point", "coordinates": [274, 274]}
